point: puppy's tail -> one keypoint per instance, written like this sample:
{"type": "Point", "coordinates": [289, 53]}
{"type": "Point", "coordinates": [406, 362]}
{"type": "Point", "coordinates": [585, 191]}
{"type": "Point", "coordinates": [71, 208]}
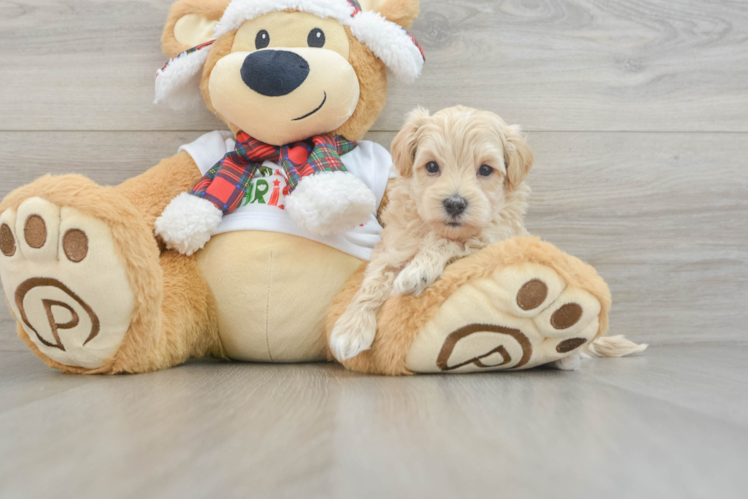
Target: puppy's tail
{"type": "Point", "coordinates": [612, 347]}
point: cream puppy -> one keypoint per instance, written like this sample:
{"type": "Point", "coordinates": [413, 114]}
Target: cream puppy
{"type": "Point", "coordinates": [461, 188]}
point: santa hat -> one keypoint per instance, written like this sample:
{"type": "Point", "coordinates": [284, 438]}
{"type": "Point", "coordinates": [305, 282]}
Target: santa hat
{"type": "Point", "coordinates": [178, 81]}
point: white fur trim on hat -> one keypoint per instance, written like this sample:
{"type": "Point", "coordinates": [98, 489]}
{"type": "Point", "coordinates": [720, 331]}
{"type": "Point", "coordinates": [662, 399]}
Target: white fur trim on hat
{"type": "Point", "coordinates": [330, 202]}
{"type": "Point", "coordinates": [240, 11]}
{"type": "Point", "coordinates": [178, 82]}
{"type": "Point", "coordinates": [390, 43]}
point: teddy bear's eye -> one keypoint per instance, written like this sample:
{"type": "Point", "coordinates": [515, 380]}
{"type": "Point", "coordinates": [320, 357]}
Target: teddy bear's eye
{"type": "Point", "coordinates": [316, 38]}
{"type": "Point", "coordinates": [262, 40]}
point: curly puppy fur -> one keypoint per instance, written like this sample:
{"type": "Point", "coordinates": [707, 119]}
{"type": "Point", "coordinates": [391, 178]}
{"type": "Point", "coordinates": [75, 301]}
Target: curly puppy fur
{"type": "Point", "coordinates": [460, 154]}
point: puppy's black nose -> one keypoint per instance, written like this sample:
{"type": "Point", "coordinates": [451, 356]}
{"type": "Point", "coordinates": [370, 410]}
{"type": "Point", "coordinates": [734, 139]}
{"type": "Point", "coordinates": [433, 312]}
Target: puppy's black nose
{"type": "Point", "coordinates": [274, 73]}
{"type": "Point", "coordinates": [455, 205]}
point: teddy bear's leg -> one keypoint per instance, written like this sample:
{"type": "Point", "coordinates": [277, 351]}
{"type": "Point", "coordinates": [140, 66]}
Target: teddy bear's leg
{"type": "Point", "coordinates": [83, 277]}
{"type": "Point", "coordinates": [515, 305]}
{"type": "Point", "coordinates": [188, 324]}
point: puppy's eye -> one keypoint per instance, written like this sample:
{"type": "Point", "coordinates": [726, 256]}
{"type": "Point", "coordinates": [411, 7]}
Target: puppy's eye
{"type": "Point", "coordinates": [316, 38]}
{"type": "Point", "coordinates": [432, 167]}
{"type": "Point", "coordinates": [485, 171]}
{"type": "Point", "coordinates": [262, 40]}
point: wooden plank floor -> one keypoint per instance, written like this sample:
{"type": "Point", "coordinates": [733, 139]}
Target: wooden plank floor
{"type": "Point", "coordinates": [672, 423]}
{"type": "Point", "coordinates": [638, 115]}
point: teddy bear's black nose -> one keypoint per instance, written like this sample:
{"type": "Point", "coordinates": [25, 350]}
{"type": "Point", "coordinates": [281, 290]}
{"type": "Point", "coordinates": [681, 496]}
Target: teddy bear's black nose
{"type": "Point", "coordinates": [274, 73]}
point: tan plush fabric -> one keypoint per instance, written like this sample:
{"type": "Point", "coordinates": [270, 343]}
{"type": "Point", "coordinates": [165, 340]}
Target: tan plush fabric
{"type": "Point", "coordinates": [481, 327]}
{"type": "Point", "coordinates": [208, 10]}
{"type": "Point", "coordinates": [83, 326]}
{"type": "Point", "coordinates": [173, 314]}
{"type": "Point", "coordinates": [404, 318]}
{"type": "Point", "coordinates": [372, 79]}
{"type": "Point", "coordinates": [192, 30]}
{"type": "Point", "coordinates": [402, 13]}
{"type": "Point", "coordinates": [257, 296]}
{"type": "Point", "coordinates": [272, 292]}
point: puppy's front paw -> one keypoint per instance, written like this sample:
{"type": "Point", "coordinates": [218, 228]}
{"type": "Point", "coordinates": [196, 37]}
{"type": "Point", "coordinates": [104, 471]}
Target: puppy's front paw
{"type": "Point", "coordinates": [352, 335]}
{"type": "Point", "coordinates": [414, 280]}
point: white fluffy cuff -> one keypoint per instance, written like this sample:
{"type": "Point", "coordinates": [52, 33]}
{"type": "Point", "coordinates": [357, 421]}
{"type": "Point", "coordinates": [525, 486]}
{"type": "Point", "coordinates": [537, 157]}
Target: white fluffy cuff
{"type": "Point", "coordinates": [188, 223]}
{"type": "Point", "coordinates": [330, 202]}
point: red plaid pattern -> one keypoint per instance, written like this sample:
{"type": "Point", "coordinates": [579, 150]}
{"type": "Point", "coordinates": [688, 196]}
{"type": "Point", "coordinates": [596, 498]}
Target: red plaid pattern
{"type": "Point", "coordinates": [185, 53]}
{"type": "Point", "coordinates": [418, 45]}
{"type": "Point", "coordinates": [227, 182]}
{"type": "Point", "coordinates": [356, 6]}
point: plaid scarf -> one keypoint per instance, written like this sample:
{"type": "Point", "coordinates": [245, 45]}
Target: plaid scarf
{"type": "Point", "coordinates": [227, 182]}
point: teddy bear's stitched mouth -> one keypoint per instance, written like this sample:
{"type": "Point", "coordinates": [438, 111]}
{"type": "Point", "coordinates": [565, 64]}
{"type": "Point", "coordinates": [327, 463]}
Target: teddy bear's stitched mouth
{"type": "Point", "coordinates": [324, 100]}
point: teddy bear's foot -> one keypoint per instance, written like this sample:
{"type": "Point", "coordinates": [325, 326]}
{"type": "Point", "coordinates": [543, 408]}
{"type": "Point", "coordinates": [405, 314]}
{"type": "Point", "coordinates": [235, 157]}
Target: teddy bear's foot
{"type": "Point", "coordinates": [64, 282]}
{"type": "Point", "coordinates": [517, 304]}
{"type": "Point", "coordinates": [519, 317]}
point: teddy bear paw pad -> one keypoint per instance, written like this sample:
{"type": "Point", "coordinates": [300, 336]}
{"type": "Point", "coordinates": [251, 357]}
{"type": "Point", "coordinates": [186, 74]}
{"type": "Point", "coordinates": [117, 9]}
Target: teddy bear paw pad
{"type": "Point", "coordinates": [64, 282]}
{"type": "Point", "coordinates": [520, 317]}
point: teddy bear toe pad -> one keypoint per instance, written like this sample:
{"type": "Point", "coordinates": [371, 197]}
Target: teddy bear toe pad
{"type": "Point", "coordinates": [520, 317]}
{"type": "Point", "coordinates": [64, 282]}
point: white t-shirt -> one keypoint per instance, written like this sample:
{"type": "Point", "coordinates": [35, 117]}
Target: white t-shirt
{"type": "Point", "coordinates": [263, 207]}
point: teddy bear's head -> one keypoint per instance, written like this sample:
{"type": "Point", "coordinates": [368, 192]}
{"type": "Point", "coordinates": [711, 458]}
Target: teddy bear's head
{"type": "Point", "coordinates": [286, 70]}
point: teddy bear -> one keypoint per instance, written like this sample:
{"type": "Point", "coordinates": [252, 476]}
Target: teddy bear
{"type": "Point", "coordinates": [248, 243]}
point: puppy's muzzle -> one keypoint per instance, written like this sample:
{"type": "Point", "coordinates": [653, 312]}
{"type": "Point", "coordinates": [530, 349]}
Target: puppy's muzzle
{"type": "Point", "coordinates": [455, 205]}
{"type": "Point", "coordinates": [274, 73]}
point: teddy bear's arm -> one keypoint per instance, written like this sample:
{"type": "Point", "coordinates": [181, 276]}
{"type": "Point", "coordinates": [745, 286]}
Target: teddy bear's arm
{"type": "Point", "coordinates": [152, 191]}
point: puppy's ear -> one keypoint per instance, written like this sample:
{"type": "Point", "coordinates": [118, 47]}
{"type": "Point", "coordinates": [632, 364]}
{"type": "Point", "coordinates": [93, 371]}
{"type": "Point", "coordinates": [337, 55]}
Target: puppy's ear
{"type": "Point", "coordinates": [404, 144]}
{"type": "Point", "coordinates": [518, 156]}
{"type": "Point", "coordinates": [190, 23]}
{"type": "Point", "coordinates": [401, 12]}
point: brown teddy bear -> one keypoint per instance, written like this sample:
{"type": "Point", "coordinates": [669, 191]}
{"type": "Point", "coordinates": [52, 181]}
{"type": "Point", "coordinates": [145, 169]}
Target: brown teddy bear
{"type": "Point", "coordinates": [240, 246]}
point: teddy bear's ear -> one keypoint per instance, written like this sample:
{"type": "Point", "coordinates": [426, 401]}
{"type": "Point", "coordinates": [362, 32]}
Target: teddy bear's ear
{"type": "Point", "coordinates": [405, 144]}
{"type": "Point", "coordinates": [191, 23]}
{"type": "Point", "coordinates": [402, 12]}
